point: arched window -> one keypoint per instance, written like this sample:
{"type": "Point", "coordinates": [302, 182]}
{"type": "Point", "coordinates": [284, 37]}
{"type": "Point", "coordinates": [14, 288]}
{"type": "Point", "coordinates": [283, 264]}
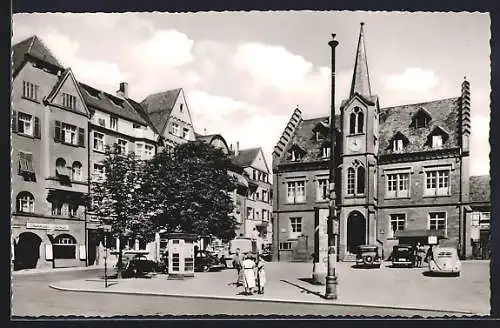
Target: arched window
{"type": "Point", "coordinates": [60, 166]}
{"type": "Point", "coordinates": [64, 247]}
{"type": "Point", "coordinates": [25, 202]}
{"type": "Point", "coordinates": [76, 171]}
{"type": "Point", "coordinates": [351, 181]}
{"type": "Point", "coordinates": [356, 121]}
{"type": "Point", "coordinates": [356, 179]}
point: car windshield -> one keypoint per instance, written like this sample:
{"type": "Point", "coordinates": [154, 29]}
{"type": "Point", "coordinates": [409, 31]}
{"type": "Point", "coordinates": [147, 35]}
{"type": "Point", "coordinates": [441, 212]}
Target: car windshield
{"type": "Point", "coordinates": [445, 254]}
{"type": "Point", "coordinates": [368, 249]}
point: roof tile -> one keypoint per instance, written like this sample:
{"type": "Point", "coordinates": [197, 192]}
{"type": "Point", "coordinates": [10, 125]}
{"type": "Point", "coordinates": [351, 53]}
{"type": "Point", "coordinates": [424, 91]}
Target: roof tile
{"type": "Point", "coordinates": [158, 106]}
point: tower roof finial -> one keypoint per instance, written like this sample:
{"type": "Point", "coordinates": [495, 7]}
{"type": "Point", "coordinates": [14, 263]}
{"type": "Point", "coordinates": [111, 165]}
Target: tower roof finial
{"type": "Point", "coordinates": [360, 78]}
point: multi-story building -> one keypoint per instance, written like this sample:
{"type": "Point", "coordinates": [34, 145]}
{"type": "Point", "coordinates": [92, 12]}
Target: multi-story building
{"type": "Point", "coordinates": [170, 116]}
{"type": "Point", "coordinates": [258, 201]}
{"type": "Point", "coordinates": [402, 174]}
{"type": "Point", "coordinates": [480, 216]}
{"type": "Point", "coordinates": [114, 121]}
{"type": "Point", "coordinates": [49, 160]}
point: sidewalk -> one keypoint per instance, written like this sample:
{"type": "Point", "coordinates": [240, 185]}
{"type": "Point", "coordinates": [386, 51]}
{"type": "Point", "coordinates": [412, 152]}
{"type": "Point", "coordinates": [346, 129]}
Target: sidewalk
{"type": "Point", "coordinates": [288, 282]}
{"type": "Point", "coordinates": [49, 270]}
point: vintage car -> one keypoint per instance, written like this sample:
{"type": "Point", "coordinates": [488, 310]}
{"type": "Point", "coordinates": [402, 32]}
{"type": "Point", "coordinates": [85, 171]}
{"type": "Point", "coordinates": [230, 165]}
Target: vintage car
{"type": "Point", "coordinates": [137, 265]}
{"type": "Point", "coordinates": [445, 260]}
{"type": "Point", "coordinates": [403, 255]}
{"type": "Point", "coordinates": [368, 256]}
{"type": "Point", "coordinates": [207, 261]}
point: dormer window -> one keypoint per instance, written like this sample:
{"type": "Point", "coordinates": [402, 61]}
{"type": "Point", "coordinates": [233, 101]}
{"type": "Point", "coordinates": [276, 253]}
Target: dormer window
{"type": "Point", "coordinates": [421, 119]}
{"type": "Point", "coordinates": [325, 152]}
{"type": "Point", "coordinates": [437, 141]}
{"type": "Point", "coordinates": [397, 145]}
{"type": "Point", "coordinates": [295, 155]}
{"type": "Point", "coordinates": [398, 142]}
{"type": "Point", "coordinates": [68, 101]}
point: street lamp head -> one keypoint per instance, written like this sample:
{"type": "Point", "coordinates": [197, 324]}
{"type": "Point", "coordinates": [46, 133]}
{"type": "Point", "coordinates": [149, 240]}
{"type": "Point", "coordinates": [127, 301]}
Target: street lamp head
{"type": "Point", "coordinates": [333, 43]}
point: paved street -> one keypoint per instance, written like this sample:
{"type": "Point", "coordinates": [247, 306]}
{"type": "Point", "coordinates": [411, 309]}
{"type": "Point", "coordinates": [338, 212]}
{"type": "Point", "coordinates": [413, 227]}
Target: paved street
{"type": "Point", "coordinates": [33, 297]}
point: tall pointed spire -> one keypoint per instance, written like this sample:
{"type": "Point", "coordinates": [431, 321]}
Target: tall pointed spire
{"type": "Point", "coordinates": [360, 78]}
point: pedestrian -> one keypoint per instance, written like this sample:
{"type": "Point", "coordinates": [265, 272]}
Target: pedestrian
{"type": "Point", "coordinates": [418, 257]}
{"type": "Point", "coordinates": [237, 264]}
{"type": "Point", "coordinates": [261, 275]}
{"type": "Point", "coordinates": [249, 274]}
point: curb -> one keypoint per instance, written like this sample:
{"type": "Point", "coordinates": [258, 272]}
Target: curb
{"type": "Point", "coordinates": [269, 300]}
{"type": "Point", "coordinates": [55, 270]}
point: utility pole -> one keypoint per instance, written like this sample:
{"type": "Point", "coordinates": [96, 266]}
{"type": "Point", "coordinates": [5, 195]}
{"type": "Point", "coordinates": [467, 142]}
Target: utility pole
{"type": "Point", "coordinates": [331, 278]}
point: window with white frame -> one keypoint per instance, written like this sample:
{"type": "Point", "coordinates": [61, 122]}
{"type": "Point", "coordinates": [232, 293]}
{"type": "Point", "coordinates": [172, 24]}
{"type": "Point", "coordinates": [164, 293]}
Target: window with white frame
{"type": "Point", "coordinates": [148, 151]}
{"type": "Point", "coordinates": [296, 225]}
{"type": "Point", "coordinates": [99, 172]}
{"type": "Point", "coordinates": [98, 141]}
{"type": "Point", "coordinates": [25, 123]}
{"type": "Point", "coordinates": [73, 209]}
{"type": "Point", "coordinates": [295, 155]}
{"type": "Point", "coordinates": [356, 121]}
{"type": "Point", "coordinates": [123, 146]}
{"type": "Point", "coordinates": [76, 171]}
{"type": "Point", "coordinates": [68, 101]}
{"type": "Point", "coordinates": [437, 221]}
{"type": "Point", "coordinates": [30, 90]}
{"type": "Point", "coordinates": [325, 152]}
{"type": "Point", "coordinates": [113, 123]}
{"type": "Point", "coordinates": [250, 215]}
{"type": "Point", "coordinates": [57, 207]}
{"type": "Point", "coordinates": [397, 145]}
{"type": "Point", "coordinates": [437, 182]}
{"type": "Point", "coordinates": [68, 134]}
{"type": "Point", "coordinates": [139, 149]}
{"type": "Point", "coordinates": [175, 129]}
{"type": "Point", "coordinates": [356, 179]}
{"type": "Point", "coordinates": [322, 191]}
{"type": "Point", "coordinates": [286, 246]}
{"type": "Point", "coordinates": [185, 133]}
{"type": "Point", "coordinates": [437, 141]}
{"type": "Point", "coordinates": [265, 196]}
{"type": "Point", "coordinates": [398, 184]}
{"type": "Point", "coordinates": [296, 192]}
{"type": "Point", "coordinates": [25, 202]}
{"type": "Point", "coordinates": [398, 222]}
{"type": "Point", "coordinates": [265, 214]}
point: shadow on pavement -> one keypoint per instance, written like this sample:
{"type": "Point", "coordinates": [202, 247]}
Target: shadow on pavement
{"type": "Point", "coordinates": [440, 274]}
{"type": "Point", "coordinates": [311, 281]}
{"type": "Point", "coordinates": [363, 267]}
{"type": "Point", "coordinates": [303, 289]}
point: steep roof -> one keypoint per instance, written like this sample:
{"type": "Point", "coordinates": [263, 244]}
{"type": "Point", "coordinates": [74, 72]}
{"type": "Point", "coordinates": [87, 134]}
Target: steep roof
{"type": "Point", "coordinates": [479, 188]}
{"type": "Point", "coordinates": [158, 106]}
{"type": "Point", "coordinates": [207, 138]}
{"type": "Point", "coordinates": [305, 138]}
{"type": "Point", "coordinates": [142, 112]}
{"type": "Point", "coordinates": [360, 77]}
{"type": "Point", "coordinates": [97, 99]}
{"type": "Point", "coordinates": [246, 157]}
{"type": "Point", "coordinates": [33, 47]}
{"type": "Point", "coordinates": [444, 113]}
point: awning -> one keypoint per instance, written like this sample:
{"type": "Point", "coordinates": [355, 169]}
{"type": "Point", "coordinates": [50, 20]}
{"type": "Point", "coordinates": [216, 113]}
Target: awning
{"type": "Point", "coordinates": [67, 196]}
{"type": "Point", "coordinates": [419, 233]}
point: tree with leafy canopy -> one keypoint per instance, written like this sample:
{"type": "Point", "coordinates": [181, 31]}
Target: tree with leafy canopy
{"type": "Point", "coordinates": [122, 199]}
{"type": "Point", "coordinates": [192, 190]}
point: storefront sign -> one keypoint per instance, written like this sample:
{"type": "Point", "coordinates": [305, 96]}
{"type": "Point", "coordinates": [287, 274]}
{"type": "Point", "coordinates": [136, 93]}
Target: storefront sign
{"type": "Point", "coordinates": [47, 226]}
{"type": "Point", "coordinates": [323, 235]}
{"type": "Point", "coordinates": [82, 252]}
{"type": "Point", "coordinates": [48, 252]}
{"type": "Point", "coordinates": [432, 240]}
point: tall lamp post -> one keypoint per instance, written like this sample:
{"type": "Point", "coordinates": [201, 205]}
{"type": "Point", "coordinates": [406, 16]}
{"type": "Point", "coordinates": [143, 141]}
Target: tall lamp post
{"type": "Point", "coordinates": [331, 278]}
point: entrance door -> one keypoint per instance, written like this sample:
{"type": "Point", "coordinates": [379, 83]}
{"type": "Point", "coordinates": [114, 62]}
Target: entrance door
{"type": "Point", "coordinates": [356, 231]}
{"type": "Point", "coordinates": [27, 251]}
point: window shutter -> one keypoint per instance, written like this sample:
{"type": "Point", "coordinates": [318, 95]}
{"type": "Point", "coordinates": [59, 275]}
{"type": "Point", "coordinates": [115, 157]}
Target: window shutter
{"type": "Point", "coordinates": [37, 128]}
{"type": "Point", "coordinates": [81, 137]}
{"type": "Point", "coordinates": [57, 136]}
{"type": "Point", "coordinates": [14, 121]}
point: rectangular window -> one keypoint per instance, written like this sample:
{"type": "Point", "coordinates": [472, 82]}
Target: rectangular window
{"type": "Point", "coordinates": [25, 124]}
{"type": "Point", "coordinates": [437, 141]}
{"type": "Point", "coordinates": [398, 222]}
{"type": "Point", "coordinates": [397, 145]}
{"type": "Point", "coordinates": [296, 224]}
{"type": "Point", "coordinates": [99, 173]}
{"type": "Point", "coordinates": [437, 221]}
{"type": "Point", "coordinates": [249, 213]}
{"type": "Point", "coordinates": [139, 150]}
{"type": "Point", "coordinates": [185, 133]}
{"type": "Point", "coordinates": [98, 141]}
{"type": "Point", "coordinates": [68, 101]}
{"type": "Point", "coordinates": [286, 246]}
{"type": "Point", "coordinates": [30, 90]}
{"type": "Point", "coordinates": [26, 163]}
{"type": "Point", "coordinates": [296, 192]}
{"type": "Point", "coordinates": [322, 191]}
{"type": "Point", "coordinates": [264, 215]}
{"type": "Point", "coordinates": [57, 208]}
{"type": "Point", "coordinates": [326, 152]}
{"type": "Point", "coordinates": [398, 185]}
{"type": "Point", "coordinates": [175, 129]}
{"type": "Point", "coordinates": [102, 122]}
{"type": "Point", "coordinates": [68, 134]}
{"type": "Point", "coordinates": [148, 151]}
{"type": "Point", "coordinates": [113, 123]}
{"type": "Point", "coordinates": [351, 181]}
{"type": "Point", "coordinates": [437, 183]}
{"type": "Point", "coordinates": [123, 146]}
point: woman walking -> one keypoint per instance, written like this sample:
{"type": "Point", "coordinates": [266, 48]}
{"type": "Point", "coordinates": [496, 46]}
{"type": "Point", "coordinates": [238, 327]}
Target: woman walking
{"type": "Point", "coordinates": [261, 275]}
{"type": "Point", "coordinates": [248, 274]}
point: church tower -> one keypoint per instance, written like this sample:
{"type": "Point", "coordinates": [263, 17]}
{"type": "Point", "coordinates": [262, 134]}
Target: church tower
{"type": "Point", "coordinates": [359, 122]}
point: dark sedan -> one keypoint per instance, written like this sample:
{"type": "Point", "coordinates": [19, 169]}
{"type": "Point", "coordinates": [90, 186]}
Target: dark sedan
{"type": "Point", "coordinates": [207, 261]}
{"type": "Point", "coordinates": [368, 256]}
{"type": "Point", "coordinates": [403, 255]}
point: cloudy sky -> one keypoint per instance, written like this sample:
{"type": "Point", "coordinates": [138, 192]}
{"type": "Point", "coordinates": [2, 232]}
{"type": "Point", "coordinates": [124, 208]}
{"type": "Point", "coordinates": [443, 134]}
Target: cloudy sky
{"type": "Point", "coordinates": [244, 73]}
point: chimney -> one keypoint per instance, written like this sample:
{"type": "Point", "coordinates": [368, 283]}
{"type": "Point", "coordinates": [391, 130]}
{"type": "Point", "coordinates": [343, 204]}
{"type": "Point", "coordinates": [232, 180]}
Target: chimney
{"type": "Point", "coordinates": [123, 91]}
{"type": "Point", "coordinates": [237, 148]}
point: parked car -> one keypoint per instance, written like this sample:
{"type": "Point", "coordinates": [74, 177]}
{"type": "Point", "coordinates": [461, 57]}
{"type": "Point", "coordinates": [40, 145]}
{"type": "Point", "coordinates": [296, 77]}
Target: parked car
{"type": "Point", "coordinates": [403, 255]}
{"type": "Point", "coordinates": [368, 256]}
{"type": "Point", "coordinates": [207, 261]}
{"type": "Point", "coordinates": [137, 265]}
{"type": "Point", "coordinates": [445, 260]}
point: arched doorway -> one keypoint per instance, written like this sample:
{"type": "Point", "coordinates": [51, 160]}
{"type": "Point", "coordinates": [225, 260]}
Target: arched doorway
{"type": "Point", "coordinates": [27, 251]}
{"type": "Point", "coordinates": [356, 231]}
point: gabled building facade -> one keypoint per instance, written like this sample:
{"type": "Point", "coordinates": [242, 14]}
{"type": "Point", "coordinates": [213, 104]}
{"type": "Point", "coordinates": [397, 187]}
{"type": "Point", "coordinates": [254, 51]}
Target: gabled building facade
{"type": "Point", "coordinates": [402, 175]}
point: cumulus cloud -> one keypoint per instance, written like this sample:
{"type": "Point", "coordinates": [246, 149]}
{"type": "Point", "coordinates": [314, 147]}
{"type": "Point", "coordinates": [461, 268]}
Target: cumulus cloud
{"type": "Point", "coordinates": [412, 79]}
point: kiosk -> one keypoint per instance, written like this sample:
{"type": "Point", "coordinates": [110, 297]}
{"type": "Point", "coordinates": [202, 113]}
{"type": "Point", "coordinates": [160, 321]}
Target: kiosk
{"type": "Point", "coordinates": [180, 255]}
